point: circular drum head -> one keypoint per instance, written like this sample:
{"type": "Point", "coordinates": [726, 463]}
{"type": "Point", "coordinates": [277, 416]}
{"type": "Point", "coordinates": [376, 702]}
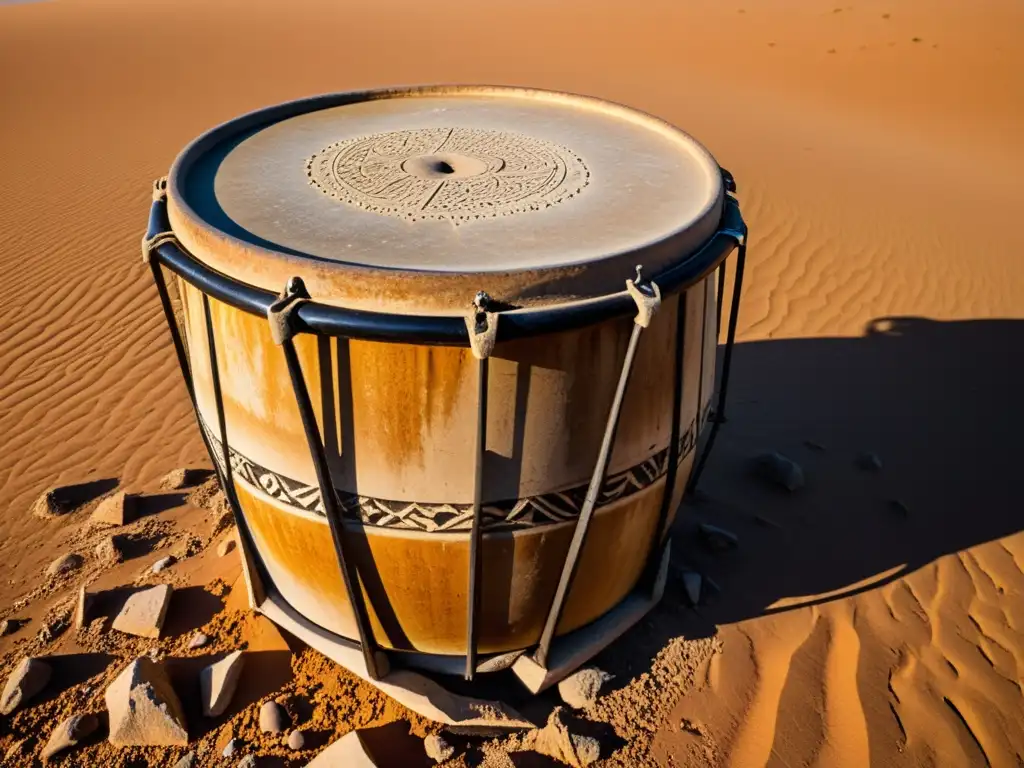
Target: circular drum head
{"type": "Point", "coordinates": [412, 200]}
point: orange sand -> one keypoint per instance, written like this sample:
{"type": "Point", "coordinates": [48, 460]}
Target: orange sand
{"type": "Point", "coordinates": [877, 149]}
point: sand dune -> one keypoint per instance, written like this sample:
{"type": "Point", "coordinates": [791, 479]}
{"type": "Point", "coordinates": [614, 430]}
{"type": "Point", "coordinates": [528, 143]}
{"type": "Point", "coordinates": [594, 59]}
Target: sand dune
{"type": "Point", "coordinates": [877, 149]}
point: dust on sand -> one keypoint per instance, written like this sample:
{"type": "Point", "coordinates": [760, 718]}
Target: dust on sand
{"type": "Point", "coordinates": [877, 620]}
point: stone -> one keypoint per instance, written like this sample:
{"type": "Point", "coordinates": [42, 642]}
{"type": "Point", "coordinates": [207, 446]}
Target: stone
{"type": "Point", "coordinates": [188, 760]}
{"type": "Point", "coordinates": [437, 748]}
{"type": "Point", "coordinates": [64, 565]}
{"type": "Point", "coordinates": [69, 733]}
{"type": "Point", "coordinates": [198, 641]}
{"type": "Point", "coordinates": [779, 470]}
{"type": "Point", "coordinates": [27, 680]}
{"type": "Point", "coordinates": [588, 749]}
{"type": "Point", "coordinates": [226, 547]}
{"type": "Point", "coordinates": [109, 551]}
{"type": "Point", "coordinates": [54, 629]}
{"type": "Point", "coordinates": [163, 564]}
{"type": "Point", "coordinates": [273, 718]}
{"type": "Point", "coordinates": [231, 747]}
{"type": "Point", "coordinates": [118, 509]}
{"type": "Point", "coordinates": [296, 740]}
{"type": "Point", "coordinates": [144, 612]}
{"type": "Point", "coordinates": [177, 479]}
{"type": "Point", "coordinates": [51, 504]}
{"type": "Point", "coordinates": [83, 608]}
{"type": "Point", "coordinates": [249, 761]}
{"type": "Point", "coordinates": [691, 582]}
{"type": "Point", "coordinates": [9, 626]}
{"type": "Point", "coordinates": [218, 683]}
{"type": "Point", "coordinates": [555, 740]}
{"type": "Point", "coordinates": [717, 539]}
{"type": "Point", "coordinates": [869, 461]}
{"type": "Point", "coordinates": [580, 689]}
{"type": "Point", "coordinates": [144, 710]}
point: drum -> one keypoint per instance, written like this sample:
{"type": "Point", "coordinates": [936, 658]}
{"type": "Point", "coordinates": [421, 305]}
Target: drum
{"type": "Point", "coordinates": [452, 350]}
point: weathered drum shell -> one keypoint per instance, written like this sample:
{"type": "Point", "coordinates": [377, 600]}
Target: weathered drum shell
{"type": "Point", "coordinates": [399, 424]}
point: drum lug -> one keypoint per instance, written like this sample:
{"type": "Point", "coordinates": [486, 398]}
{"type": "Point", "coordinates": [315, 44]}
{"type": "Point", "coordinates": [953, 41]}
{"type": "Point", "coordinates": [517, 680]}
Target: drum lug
{"type": "Point", "coordinates": [482, 327]}
{"type": "Point", "coordinates": [280, 313]}
{"type": "Point", "coordinates": [647, 297]}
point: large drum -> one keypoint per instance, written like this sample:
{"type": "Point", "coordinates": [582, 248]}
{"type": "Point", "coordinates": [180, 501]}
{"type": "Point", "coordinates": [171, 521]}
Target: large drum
{"type": "Point", "coordinates": [452, 349]}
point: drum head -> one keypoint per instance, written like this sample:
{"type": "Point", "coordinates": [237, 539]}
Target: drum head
{"type": "Point", "coordinates": [413, 200]}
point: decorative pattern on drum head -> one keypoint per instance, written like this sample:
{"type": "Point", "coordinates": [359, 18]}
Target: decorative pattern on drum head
{"type": "Point", "coordinates": [533, 511]}
{"type": "Point", "coordinates": [448, 174]}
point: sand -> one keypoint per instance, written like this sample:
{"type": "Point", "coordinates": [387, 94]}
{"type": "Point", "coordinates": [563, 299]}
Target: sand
{"type": "Point", "coordinates": [877, 150]}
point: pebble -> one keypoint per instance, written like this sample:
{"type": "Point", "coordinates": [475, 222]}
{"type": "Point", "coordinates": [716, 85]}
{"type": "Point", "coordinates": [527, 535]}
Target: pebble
{"type": "Point", "coordinates": [69, 733]}
{"type": "Point", "coordinates": [869, 461]}
{"type": "Point", "coordinates": [187, 761]}
{"type": "Point", "coordinates": [9, 626]}
{"type": "Point", "coordinates": [27, 680]}
{"type": "Point", "coordinates": [779, 470]}
{"type": "Point", "coordinates": [437, 748]}
{"type": "Point", "coordinates": [163, 564]}
{"type": "Point", "coordinates": [143, 708]}
{"type": "Point", "coordinates": [226, 547]}
{"type": "Point", "coordinates": [691, 582]}
{"type": "Point", "coordinates": [231, 747]}
{"type": "Point", "coordinates": [65, 564]}
{"type": "Point", "coordinates": [109, 551]}
{"type": "Point", "coordinates": [718, 539]}
{"type": "Point", "coordinates": [218, 683]}
{"type": "Point", "coordinates": [247, 762]}
{"type": "Point", "coordinates": [198, 641]}
{"type": "Point", "coordinates": [580, 689]}
{"type": "Point", "coordinates": [588, 749]}
{"type": "Point", "coordinates": [296, 740]}
{"type": "Point", "coordinates": [273, 718]}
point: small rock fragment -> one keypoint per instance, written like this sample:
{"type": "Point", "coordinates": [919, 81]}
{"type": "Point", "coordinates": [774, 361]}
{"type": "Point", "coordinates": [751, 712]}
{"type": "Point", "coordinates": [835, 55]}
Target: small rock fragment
{"type": "Point", "coordinates": [296, 740]}
{"type": "Point", "coordinates": [53, 630]}
{"type": "Point", "coordinates": [163, 564]}
{"type": "Point", "coordinates": [69, 733]}
{"type": "Point", "coordinates": [249, 761]}
{"type": "Point", "coordinates": [115, 510]}
{"type": "Point", "coordinates": [437, 748]}
{"type": "Point", "coordinates": [580, 689]}
{"type": "Point", "coordinates": [83, 607]}
{"type": "Point", "coordinates": [109, 551]}
{"type": "Point", "coordinates": [177, 479]}
{"type": "Point", "coordinates": [218, 683]}
{"type": "Point", "coordinates": [588, 749]}
{"type": "Point", "coordinates": [273, 718]}
{"type": "Point", "coordinates": [555, 740]}
{"type": "Point", "coordinates": [187, 761]}
{"type": "Point", "coordinates": [144, 709]}
{"type": "Point", "coordinates": [51, 504]}
{"type": "Point", "coordinates": [27, 680]}
{"type": "Point", "coordinates": [144, 612]}
{"type": "Point", "coordinates": [869, 461]}
{"type": "Point", "coordinates": [779, 470]}
{"type": "Point", "coordinates": [718, 539]}
{"type": "Point", "coordinates": [231, 747]}
{"type": "Point", "coordinates": [691, 582]}
{"type": "Point", "coordinates": [9, 626]}
{"type": "Point", "coordinates": [64, 564]}
{"type": "Point", "coordinates": [226, 546]}
{"type": "Point", "coordinates": [198, 641]}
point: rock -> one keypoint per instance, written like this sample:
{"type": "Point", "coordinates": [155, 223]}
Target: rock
{"type": "Point", "coordinates": [778, 470]}
{"type": "Point", "coordinates": [144, 709]}
{"type": "Point", "coordinates": [187, 761]}
{"type": "Point", "coordinates": [143, 613]}
{"type": "Point", "coordinates": [717, 539]}
{"type": "Point", "coordinates": [231, 747]}
{"type": "Point", "coordinates": [296, 740]}
{"type": "Point", "coordinates": [588, 749]}
{"type": "Point", "coordinates": [273, 718]}
{"type": "Point", "coordinates": [177, 479]}
{"type": "Point", "coordinates": [64, 565]}
{"type": "Point", "coordinates": [9, 626]}
{"type": "Point", "coordinates": [27, 680]}
{"type": "Point", "coordinates": [869, 461]}
{"type": "Point", "coordinates": [69, 733]}
{"type": "Point", "coordinates": [555, 740]}
{"type": "Point", "coordinates": [119, 509]}
{"type": "Point", "coordinates": [52, 503]}
{"type": "Point", "coordinates": [248, 761]}
{"type": "Point", "coordinates": [109, 551]}
{"type": "Point", "coordinates": [219, 681]}
{"type": "Point", "coordinates": [83, 607]}
{"type": "Point", "coordinates": [580, 689]}
{"type": "Point", "coordinates": [189, 546]}
{"type": "Point", "coordinates": [437, 748]}
{"type": "Point", "coordinates": [198, 641]}
{"type": "Point", "coordinates": [691, 582]}
{"type": "Point", "coordinates": [53, 630]}
{"type": "Point", "coordinates": [163, 564]}
{"type": "Point", "coordinates": [225, 547]}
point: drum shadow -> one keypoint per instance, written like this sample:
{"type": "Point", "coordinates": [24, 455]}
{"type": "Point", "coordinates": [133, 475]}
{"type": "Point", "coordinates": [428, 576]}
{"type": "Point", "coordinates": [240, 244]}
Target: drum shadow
{"type": "Point", "coordinates": [937, 402]}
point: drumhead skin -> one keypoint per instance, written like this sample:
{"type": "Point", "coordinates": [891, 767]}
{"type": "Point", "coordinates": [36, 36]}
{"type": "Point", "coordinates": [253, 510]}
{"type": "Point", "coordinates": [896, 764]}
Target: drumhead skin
{"type": "Point", "coordinates": [411, 200]}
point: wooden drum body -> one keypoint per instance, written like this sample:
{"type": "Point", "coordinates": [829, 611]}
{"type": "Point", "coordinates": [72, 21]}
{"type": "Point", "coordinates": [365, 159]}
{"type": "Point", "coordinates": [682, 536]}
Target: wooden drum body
{"type": "Point", "coordinates": [469, 330]}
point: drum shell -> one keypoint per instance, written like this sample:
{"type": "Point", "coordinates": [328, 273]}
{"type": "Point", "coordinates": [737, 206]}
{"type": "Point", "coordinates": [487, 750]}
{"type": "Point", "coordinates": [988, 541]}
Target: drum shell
{"type": "Point", "coordinates": [399, 424]}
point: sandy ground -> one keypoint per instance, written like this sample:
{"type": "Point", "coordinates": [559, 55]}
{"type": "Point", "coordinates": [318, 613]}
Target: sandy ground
{"type": "Point", "coordinates": [877, 148]}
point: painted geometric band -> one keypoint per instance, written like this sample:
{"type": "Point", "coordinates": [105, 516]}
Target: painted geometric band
{"type": "Point", "coordinates": [529, 512]}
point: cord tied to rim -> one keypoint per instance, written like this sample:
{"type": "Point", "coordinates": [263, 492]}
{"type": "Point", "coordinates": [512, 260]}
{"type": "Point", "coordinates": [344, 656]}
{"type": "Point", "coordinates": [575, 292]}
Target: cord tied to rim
{"type": "Point", "coordinates": [482, 326]}
{"type": "Point", "coordinates": [646, 295]}
{"type": "Point", "coordinates": [150, 244]}
{"type": "Point", "coordinates": [281, 313]}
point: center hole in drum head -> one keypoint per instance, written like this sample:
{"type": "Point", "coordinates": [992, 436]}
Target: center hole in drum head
{"type": "Point", "coordinates": [444, 165]}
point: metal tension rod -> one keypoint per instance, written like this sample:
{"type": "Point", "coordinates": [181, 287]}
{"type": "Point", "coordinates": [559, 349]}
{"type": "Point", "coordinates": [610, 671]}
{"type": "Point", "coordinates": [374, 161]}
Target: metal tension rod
{"type": "Point", "coordinates": [483, 330]}
{"type": "Point", "coordinates": [734, 312]}
{"type": "Point", "coordinates": [648, 298]}
{"type": "Point", "coordinates": [282, 332]}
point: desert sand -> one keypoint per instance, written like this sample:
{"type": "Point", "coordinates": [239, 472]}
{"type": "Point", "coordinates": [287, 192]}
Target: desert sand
{"type": "Point", "coordinates": [871, 618]}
